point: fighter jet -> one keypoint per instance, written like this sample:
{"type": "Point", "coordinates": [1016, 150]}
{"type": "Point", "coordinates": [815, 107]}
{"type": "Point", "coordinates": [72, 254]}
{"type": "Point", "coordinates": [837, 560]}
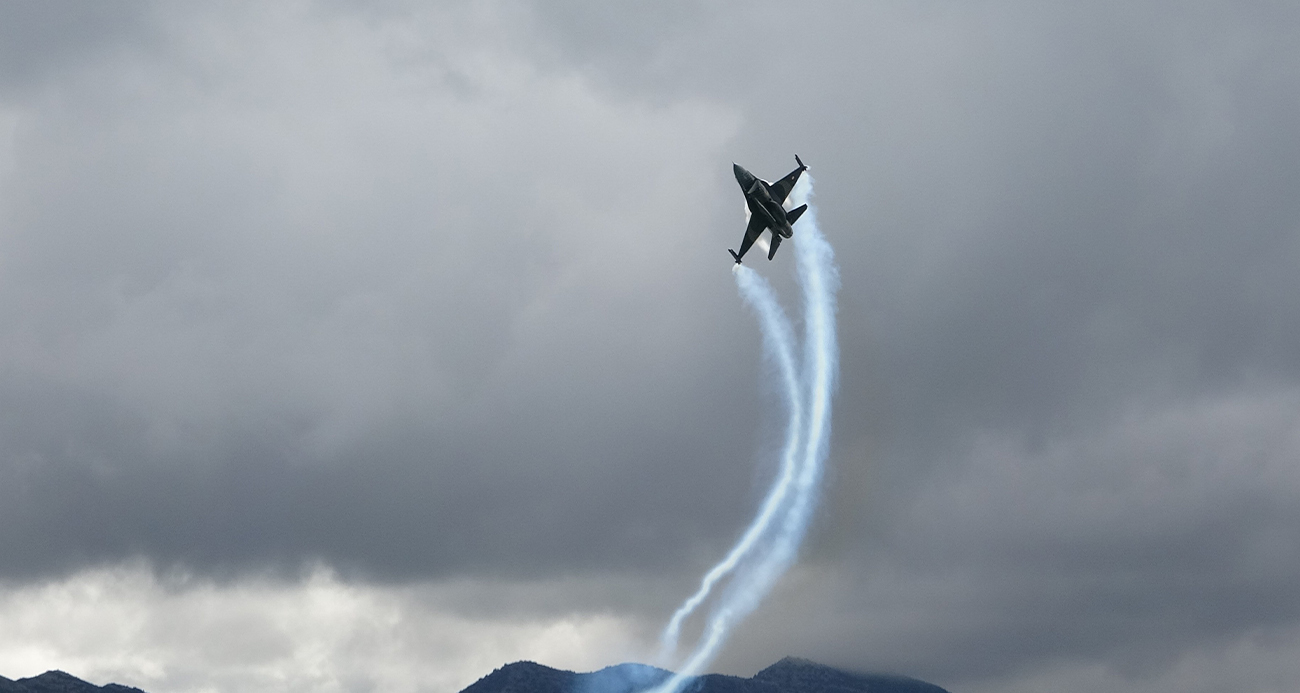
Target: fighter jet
{"type": "Point", "coordinates": [765, 210]}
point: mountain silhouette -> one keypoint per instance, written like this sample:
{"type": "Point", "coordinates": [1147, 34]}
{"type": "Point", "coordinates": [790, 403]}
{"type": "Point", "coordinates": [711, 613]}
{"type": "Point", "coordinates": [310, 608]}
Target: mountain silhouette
{"type": "Point", "coordinates": [790, 675]}
{"type": "Point", "coordinates": [59, 682]}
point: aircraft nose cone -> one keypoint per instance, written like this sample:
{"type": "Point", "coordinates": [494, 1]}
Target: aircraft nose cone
{"type": "Point", "coordinates": [742, 175]}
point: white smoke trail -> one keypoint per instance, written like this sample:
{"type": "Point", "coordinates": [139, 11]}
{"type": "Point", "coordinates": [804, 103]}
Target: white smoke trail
{"type": "Point", "coordinates": [769, 546]}
{"type": "Point", "coordinates": [778, 346]}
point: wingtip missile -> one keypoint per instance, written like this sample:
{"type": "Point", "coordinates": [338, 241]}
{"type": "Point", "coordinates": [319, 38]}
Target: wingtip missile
{"type": "Point", "coordinates": [733, 254]}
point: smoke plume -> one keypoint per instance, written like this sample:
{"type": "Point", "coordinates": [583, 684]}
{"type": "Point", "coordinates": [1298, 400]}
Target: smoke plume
{"type": "Point", "coordinates": [770, 544]}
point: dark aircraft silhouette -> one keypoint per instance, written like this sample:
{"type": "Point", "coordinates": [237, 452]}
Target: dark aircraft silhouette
{"type": "Point", "coordinates": [765, 210]}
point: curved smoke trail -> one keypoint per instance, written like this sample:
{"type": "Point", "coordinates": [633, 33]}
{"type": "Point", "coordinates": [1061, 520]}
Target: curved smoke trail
{"type": "Point", "coordinates": [778, 346]}
{"type": "Point", "coordinates": [770, 544]}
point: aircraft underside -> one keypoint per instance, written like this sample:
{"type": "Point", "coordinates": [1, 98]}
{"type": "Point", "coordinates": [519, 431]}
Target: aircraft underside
{"type": "Point", "coordinates": [765, 202]}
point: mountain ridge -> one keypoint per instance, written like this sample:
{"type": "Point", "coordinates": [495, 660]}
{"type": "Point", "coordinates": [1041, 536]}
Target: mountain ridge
{"type": "Point", "coordinates": [55, 681]}
{"type": "Point", "coordinates": [789, 675]}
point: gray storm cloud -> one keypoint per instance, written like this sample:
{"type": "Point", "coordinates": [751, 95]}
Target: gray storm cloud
{"type": "Point", "coordinates": [269, 313]}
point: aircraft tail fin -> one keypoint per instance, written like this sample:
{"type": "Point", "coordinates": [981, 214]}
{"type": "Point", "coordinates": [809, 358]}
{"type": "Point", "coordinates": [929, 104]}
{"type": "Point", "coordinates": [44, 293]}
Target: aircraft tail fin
{"type": "Point", "coordinates": [733, 254]}
{"type": "Point", "coordinates": [802, 165]}
{"type": "Point", "coordinates": [776, 243]}
{"type": "Point", "coordinates": [793, 215]}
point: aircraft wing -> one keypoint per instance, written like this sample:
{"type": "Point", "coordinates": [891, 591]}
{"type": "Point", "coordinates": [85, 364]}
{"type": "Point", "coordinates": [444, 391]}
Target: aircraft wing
{"type": "Point", "coordinates": [752, 232]}
{"type": "Point", "coordinates": [781, 189]}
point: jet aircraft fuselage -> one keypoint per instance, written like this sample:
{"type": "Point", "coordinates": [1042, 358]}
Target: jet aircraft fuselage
{"type": "Point", "coordinates": [761, 203]}
{"type": "Point", "coordinates": [766, 212]}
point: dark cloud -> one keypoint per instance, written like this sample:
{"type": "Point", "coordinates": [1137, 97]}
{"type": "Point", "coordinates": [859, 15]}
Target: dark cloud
{"type": "Point", "coordinates": [406, 334]}
{"type": "Point", "coordinates": [440, 294]}
{"type": "Point", "coordinates": [39, 40]}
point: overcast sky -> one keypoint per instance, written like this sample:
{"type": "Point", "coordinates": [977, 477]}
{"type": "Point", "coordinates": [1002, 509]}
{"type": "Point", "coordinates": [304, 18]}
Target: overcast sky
{"type": "Point", "coordinates": [369, 346]}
